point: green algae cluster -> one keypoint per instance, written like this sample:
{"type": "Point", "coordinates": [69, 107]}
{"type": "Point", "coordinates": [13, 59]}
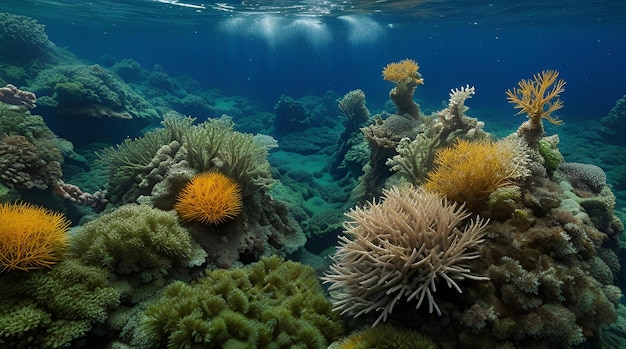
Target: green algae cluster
{"type": "Point", "coordinates": [270, 304]}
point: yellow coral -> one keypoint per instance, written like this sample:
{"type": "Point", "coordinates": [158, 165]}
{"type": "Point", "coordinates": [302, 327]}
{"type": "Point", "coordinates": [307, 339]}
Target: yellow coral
{"type": "Point", "coordinates": [403, 72]}
{"type": "Point", "coordinates": [470, 171]}
{"type": "Point", "coordinates": [31, 237]}
{"type": "Point", "coordinates": [211, 198]}
{"type": "Point", "coordinates": [538, 97]}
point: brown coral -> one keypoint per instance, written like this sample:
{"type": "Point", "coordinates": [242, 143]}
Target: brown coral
{"type": "Point", "coordinates": [24, 165]}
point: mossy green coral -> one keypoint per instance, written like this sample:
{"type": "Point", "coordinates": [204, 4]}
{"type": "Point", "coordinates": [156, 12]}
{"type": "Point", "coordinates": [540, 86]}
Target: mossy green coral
{"type": "Point", "coordinates": [53, 308]}
{"type": "Point", "coordinates": [386, 337]}
{"type": "Point", "coordinates": [134, 238]}
{"type": "Point", "coordinates": [550, 153]}
{"type": "Point", "coordinates": [269, 304]}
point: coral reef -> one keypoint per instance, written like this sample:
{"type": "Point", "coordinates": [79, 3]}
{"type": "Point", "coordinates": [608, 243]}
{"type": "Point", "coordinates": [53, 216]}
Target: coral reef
{"type": "Point", "coordinates": [23, 39]}
{"type": "Point", "coordinates": [272, 303]}
{"type": "Point", "coordinates": [155, 168]}
{"type": "Point", "coordinates": [538, 99]}
{"type": "Point", "coordinates": [136, 239]}
{"type": "Point", "coordinates": [24, 166]}
{"type": "Point", "coordinates": [353, 107]}
{"type": "Point", "coordinates": [89, 97]}
{"type": "Point", "coordinates": [291, 116]}
{"type": "Point", "coordinates": [31, 237]}
{"type": "Point", "coordinates": [170, 156]}
{"type": "Point", "coordinates": [89, 91]}
{"type": "Point", "coordinates": [210, 198]}
{"type": "Point", "coordinates": [612, 125]}
{"type": "Point", "coordinates": [584, 176]}
{"type": "Point", "coordinates": [408, 145]}
{"type": "Point", "coordinates": [399, 250]}
{"type": "Point", "coordinates": [31, 154]}
{"type": "Point", "coordinates": [54, 308]}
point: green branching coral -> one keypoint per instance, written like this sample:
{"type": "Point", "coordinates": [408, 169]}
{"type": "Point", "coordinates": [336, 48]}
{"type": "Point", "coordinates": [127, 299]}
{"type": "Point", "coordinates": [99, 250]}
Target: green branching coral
{"type": "Point", "coordinates": [414, 158]}
{"type": "Point", "coordinates": [53, 308]}
{"type": "Point", "coordinates": [134, 238]}
{"type": "Point", "coordinates": [269, 304]}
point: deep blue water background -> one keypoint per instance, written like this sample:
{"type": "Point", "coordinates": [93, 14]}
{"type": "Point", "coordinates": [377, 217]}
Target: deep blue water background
{"type": "Point", "coordinates": [263, 56]}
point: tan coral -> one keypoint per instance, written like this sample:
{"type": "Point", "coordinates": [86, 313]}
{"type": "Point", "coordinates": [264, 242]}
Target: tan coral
{"type": "Point", "coordinates": [399, 249]}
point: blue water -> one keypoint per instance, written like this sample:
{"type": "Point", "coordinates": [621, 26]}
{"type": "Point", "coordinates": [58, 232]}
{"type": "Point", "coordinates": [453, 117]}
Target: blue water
{"type": "Point", "coordinates": [300, 48]}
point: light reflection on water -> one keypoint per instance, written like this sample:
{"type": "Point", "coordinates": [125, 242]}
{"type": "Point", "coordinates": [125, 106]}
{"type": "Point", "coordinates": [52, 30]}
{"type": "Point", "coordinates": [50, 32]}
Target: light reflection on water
{"type": "Point", "coordinates": [193, 12]}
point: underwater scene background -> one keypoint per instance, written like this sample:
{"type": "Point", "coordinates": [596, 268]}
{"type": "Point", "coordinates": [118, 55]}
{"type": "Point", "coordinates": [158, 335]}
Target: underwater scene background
{"type": "Point", "coordinates": [312, 174]}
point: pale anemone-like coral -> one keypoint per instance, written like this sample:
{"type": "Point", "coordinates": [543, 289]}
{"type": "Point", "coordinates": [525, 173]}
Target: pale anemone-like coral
{"type": "Point", "coordinates": [399, 250]}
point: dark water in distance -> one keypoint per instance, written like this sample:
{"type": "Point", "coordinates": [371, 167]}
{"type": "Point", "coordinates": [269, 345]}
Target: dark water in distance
{"type": "Point", "coordinates": [262, 49]}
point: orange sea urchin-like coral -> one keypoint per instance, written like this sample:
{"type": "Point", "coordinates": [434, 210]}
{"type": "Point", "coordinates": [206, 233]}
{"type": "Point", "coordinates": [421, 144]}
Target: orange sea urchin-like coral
{"type": "Point", "coordinates": [403, 72]}
{"type": "Point", "coordinates": [31, 237]}
{"type": "Point", "coordinates": [209, 197]}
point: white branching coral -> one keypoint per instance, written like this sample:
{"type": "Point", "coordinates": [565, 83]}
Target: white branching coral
{"type": "Point", "coordinates": [400, 249]}
{"type": "Point", "coordinates": [458, 96]}
{"type": "Point", "coordinates": [453, 114]}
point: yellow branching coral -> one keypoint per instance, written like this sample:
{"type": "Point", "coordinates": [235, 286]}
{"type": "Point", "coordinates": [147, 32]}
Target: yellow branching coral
{"type": "Point", "coordinates": [538, 98]}
{"type": "Point", "coordinates": [468, 172]}
{"type": "Point", "coordinates": [403, 72]}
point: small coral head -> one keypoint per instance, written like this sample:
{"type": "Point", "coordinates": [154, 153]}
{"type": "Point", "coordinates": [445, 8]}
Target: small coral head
{"type": "Point", "coordinates": [31, 237]}
{"type": "Point", "coordinates": [538, 98]}
{"type": "Point", "coordinates": [403, 72]}
{"type": "Point", "coordinates": [210, 198]}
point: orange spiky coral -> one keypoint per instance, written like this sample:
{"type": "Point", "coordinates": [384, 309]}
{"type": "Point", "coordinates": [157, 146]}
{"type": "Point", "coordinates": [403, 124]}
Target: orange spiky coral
{"type": "Point", "coordinates": [403, 72]}
{"type": "Point", "coordinates": [470, 171]}
{"type": "Point", "coordinates": [31, 237]}
{"type": "Point", "coordinates": [210, 198]}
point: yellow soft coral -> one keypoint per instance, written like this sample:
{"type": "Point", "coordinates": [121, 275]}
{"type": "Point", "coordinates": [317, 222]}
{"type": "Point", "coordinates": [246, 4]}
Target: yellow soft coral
{"type": "Point", "coordinates": [468, 172]}
{"type": "Point", "coordinates": [31, 237]}
{"type": "Point", "coordinates": [403, 72]}
{"type": "Point", "coordinates": [406, 76]}
{"type": "Point", "coordinates": [538, 98]}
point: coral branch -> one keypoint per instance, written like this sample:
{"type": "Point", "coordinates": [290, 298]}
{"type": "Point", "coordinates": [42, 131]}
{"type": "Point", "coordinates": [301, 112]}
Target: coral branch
{"type": "Point", "coordinates": [12, 95]}
{"type": "Point", "coordinates": [73, 194]}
